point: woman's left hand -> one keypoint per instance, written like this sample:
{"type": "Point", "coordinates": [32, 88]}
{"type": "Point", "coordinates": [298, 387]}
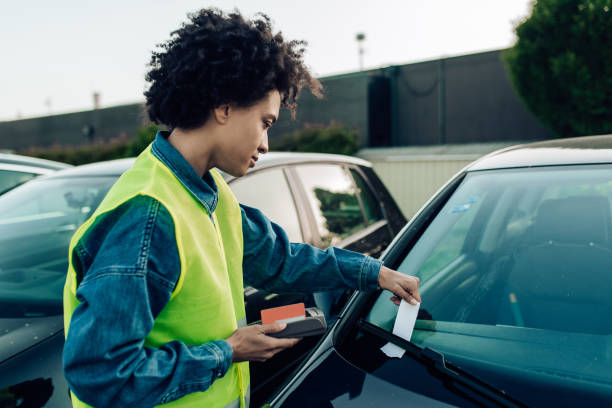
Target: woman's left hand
{"type": "Point", "coordinates": [402, 286]}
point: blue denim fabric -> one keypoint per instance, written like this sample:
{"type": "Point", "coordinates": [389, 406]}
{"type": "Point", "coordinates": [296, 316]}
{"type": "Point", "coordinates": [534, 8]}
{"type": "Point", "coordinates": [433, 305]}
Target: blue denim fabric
{"type": "Point", "coordinates": [127, 266]}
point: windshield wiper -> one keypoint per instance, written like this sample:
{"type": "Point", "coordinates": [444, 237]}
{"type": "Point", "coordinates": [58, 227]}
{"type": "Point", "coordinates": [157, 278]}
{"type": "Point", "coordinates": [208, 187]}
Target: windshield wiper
{"type": "Point", "coordinates": [436, 361]}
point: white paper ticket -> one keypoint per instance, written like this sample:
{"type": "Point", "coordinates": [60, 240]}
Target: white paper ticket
{"type": "Point", "coordinates": [403, 327]}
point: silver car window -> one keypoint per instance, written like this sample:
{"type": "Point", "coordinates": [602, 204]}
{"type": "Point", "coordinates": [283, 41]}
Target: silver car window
{"type": "Point", "coordinates": [267, 190]}
{"type": "Point", "coordinates": [333, 199]}
{"type": "Point", "coordinates": [371, 205]}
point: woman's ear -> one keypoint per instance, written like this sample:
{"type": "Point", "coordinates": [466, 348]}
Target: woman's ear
{"type": "Point", "coordinates": [222, 113]}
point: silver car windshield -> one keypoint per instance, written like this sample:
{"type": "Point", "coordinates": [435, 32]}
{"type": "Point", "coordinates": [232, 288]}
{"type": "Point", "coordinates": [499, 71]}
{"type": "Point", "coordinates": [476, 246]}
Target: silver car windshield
{"type": "Point", "coordinates": [516, 271]}
{"type": "Point", "coordinates": [37, 221]}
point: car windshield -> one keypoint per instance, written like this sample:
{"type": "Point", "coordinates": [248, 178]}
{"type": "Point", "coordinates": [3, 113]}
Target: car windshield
{"type": "Point", "coordinates": [37, 221]}
{"type": "Point", "coordinates": [516, 271]}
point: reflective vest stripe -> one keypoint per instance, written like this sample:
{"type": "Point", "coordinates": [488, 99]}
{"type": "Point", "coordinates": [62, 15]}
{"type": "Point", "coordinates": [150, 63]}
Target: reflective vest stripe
{"type": "Point", "coordinates": [236, 403]}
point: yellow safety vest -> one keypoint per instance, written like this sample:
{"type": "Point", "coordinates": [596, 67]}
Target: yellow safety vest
{"type": "Point", "coordinates": [208, 301]}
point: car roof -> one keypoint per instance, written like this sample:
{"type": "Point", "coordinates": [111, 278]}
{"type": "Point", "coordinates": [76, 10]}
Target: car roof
{"type": "Point", "coordinates": [99, 169]}
{"type": "Point", "coordinates": [576, 150]}
{"type": "Point", "coordinates": [282, 158]}
{"type": "Point", "coordinates": [119, 166]}
{"type": "Point", "coordinates": [26, 163]}
{"type": "Point", "coordinates": [274, 159]}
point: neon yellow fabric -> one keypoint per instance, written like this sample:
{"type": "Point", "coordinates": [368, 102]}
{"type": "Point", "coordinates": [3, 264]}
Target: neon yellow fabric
{"type": "Point", "coordinates": [208, 301]}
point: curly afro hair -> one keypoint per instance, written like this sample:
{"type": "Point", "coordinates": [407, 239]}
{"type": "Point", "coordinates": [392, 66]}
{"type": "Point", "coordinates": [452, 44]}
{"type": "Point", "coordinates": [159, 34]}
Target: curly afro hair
{"type": "Point", "coordinates": [215, 59]}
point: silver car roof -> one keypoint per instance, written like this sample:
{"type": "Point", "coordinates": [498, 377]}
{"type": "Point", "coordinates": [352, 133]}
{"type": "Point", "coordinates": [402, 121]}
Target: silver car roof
{"type": "Point", "coordinates": [119, 166]}
{"type": "Point", "coordinates": [577, 150]}
{"type": "Point", "coordinates": [9, 161]}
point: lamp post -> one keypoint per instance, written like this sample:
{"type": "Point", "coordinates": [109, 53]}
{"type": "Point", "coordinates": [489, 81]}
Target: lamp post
{"type": "Point", "coordinates": [96, 100]}
{"type": "Point", "coordinates": [360, 37]}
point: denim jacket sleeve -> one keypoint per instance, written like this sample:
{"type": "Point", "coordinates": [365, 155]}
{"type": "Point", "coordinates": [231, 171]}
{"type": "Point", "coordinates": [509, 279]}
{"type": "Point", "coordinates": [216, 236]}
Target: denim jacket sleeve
{"type": "Point", "coordinates": [273, 263]}
{"type": "Point", "coordinates": [129, 265]}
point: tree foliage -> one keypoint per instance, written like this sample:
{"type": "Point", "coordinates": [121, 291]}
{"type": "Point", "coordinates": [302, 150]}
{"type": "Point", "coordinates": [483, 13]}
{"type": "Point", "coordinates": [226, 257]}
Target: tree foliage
{"type": "Point", "coordinates": [561, 65]}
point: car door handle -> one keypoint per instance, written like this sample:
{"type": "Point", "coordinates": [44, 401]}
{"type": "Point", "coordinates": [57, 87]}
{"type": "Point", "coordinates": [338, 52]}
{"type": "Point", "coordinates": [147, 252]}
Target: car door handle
{"type": "Point", "coordinates": [249, 290]}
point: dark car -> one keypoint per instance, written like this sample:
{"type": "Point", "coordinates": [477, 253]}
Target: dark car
{"type": "Point", "coordinates": [16, 169]}
{"type": "Point", "coordinates": [320, 199]}
{"type": "Point", "coordinates": [514, 256]}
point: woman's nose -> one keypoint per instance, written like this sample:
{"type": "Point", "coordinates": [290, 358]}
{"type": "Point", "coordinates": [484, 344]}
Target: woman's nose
{"type": "Point", "coordinates": [263, 146]}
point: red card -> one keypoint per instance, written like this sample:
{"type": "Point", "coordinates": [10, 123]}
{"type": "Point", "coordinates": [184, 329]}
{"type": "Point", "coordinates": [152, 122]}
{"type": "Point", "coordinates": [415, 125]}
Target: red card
{"type": "Point", "coordinates": [269, 316]}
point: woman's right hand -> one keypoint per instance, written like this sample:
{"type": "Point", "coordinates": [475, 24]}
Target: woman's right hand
{"type": "Point", "coordinates": [251, 343]}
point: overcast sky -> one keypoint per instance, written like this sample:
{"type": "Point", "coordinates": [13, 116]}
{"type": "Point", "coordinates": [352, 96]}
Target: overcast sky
{"type": "Point", "coordinates": [55, 54]}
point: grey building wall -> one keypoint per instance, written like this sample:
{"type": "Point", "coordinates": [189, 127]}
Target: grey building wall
{"type": "Point", "coordinates": [68, 129]}
{"type": "Point", "coordinates": [482, 106]}
{"type": "Point", "coordinates": [345, 101]}
{"type": "Point", "coordinates": [465, 99]}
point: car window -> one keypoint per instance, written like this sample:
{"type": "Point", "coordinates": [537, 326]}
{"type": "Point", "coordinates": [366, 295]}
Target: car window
{"type": "Point", "coordinates": [333, 198]}
{"type": "Point", "coordinates": [37, 221]}
{"type": "Point", "coordinates": [10, 179]}
{"type": "Point", "coordinates": [269, 192]}
{"type": "Point", "coordinates": [370, 203]}
{"type": "Point", "coordinates": [515, 272]}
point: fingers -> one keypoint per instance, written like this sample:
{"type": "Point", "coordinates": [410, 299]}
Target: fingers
{"type": "Point", "coordinates": [252, 343]}
{"type": "Point", "coordinates": [402, 286]}
{"type": "Point", "coordinates": [404, 294]}
{"type": "Point", "coordinates": [410, 286]}
{"type": "Point", "coordinates": [281, 343]}
{"type": "Point", "coordinates": [268, 354]}
{"type": "Point", "coordinates": [407, 288]}
{"type": "Point", "coordinates": [276, 346]}
{"type": "Point", "coordinates": [414, 288]}
{"type": "Point", "coordinates": [274, 327]}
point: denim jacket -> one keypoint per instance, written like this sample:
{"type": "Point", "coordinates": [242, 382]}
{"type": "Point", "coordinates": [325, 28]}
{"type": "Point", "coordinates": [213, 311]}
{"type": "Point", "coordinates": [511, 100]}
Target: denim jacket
{"type": "Point", "coordinates": [105, 360]}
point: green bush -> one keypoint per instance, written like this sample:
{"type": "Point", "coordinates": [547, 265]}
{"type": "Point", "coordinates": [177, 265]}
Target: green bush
{"type": "Point", "coordinates": [561, 65]}
{"type": "Point", "coordinates": [113, 149]}
{"type": "Point", "coordinates": [144, 137]}
{"type": "Point", "coordinates": [333, 138]}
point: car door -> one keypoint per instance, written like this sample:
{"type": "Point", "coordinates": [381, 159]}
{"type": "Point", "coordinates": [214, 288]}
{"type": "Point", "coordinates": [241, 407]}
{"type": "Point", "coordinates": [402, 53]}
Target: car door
{"type": "Point", "coordinates": [269, 191]}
